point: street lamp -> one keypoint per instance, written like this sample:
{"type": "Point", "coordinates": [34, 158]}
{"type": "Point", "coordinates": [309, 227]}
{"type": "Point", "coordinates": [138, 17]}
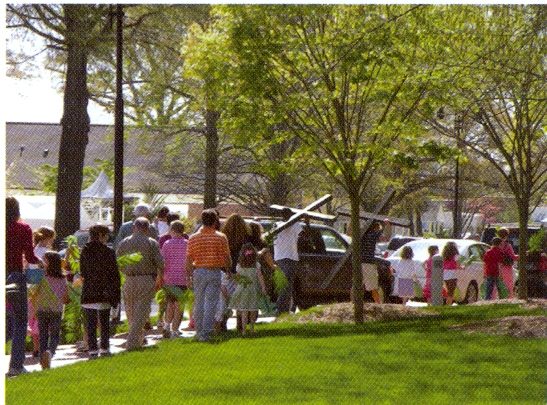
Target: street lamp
{"type": "Point", "coordinates": [456, 230]}
{"type": "Point", "coordinates": [118, 124]}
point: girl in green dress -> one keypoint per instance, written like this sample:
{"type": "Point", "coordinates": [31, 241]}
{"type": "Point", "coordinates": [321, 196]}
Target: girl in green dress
{"type": "Point", "coordinates": [250, 282]}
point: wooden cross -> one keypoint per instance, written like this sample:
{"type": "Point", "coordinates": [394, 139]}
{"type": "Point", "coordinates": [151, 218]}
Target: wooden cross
{"type": "Point", "coordinates": [379, 207]}
{"type": "Point", "coordinates": [314, 215]}
{"type": "Point", "coordinates": [369, 215]}
{"type": "Point", "coordinates": [300, 213]}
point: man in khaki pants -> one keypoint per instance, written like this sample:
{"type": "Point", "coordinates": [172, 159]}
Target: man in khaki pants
{"type": "Point", "coordinates": [142, 279]}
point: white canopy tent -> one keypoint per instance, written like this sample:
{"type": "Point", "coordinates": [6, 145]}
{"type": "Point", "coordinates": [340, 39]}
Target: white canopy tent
{"type": "Point", "coordinates": [97, 198]}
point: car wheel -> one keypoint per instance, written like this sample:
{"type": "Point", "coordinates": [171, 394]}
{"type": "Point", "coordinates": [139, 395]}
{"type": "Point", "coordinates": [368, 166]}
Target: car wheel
{"type": "Point", "coordinates": [472, 293]}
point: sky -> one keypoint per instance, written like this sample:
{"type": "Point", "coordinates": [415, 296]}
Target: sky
{"type": "Point", "coordinates": [37, 100]}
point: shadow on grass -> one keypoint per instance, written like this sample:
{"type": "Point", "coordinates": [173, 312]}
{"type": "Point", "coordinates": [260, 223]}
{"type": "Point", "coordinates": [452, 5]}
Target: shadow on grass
{"type": "Point", "coordinates": [434, 324]}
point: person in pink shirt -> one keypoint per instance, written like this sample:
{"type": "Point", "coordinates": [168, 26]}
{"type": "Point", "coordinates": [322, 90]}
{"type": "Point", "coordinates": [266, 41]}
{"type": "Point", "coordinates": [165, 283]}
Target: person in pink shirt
{"type": "Point", "coordinates": [509, 257]}
{"type": "Point", "coordinates": [428, 266]}
{"type": "Point", "coordinates": [450, 268]}
{"type": "Point", "coordinates": [174, 253]}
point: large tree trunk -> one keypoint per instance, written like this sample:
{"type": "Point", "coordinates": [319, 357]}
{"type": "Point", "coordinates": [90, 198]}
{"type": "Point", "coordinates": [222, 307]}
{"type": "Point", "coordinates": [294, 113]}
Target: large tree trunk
{"type": "Point", "coordinates": [75, 129]}
{"type": "Point", "coordinates": [357, 275]}
{"type": "Point", "coordinates": [211, 159]}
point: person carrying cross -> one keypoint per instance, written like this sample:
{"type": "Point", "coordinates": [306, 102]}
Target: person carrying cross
{"type": "Point", "coordinates": [369, 265]}
{"type": "Point", "coordinates": [286, 257]}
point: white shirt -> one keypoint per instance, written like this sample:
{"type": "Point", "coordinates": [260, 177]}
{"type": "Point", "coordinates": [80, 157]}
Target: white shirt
{"type": "Point", "coordinates": [163, 227]}
{"type": "Point", "coordinates": [39, 252]}
{"type": "Point", "coordinates": [286, 242]}
{"type": "Point", "coordinates": [406, 268]}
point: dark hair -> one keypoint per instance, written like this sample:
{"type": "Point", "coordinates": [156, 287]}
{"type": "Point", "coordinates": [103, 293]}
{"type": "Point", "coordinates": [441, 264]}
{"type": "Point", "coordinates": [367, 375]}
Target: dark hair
{"type": "Point", "coordinates": [407, 253]}
{"type": "Point", "coordinates": [256, 232]}
{"type": "Point", "coordinates": [43, 233]}
{"type": "Point", "coordinates": [247, 256]}
{"type": "Point", "coordinates": [54, 267]}
{"type": "Point", "coordinates": [163, 212]}
{"type": "Point", "coordinates": [450, 250]}
{"type": "Point", "coordinates": [172, 217]}
{"type": "Point", "coordinates": [432, 249]}
{"type": "Point", "coordinates": [503, 232]}
{"type": "Point", "coordinates": [177, 226]}
{"type": "Point", "coordinates": [286, 213]}
{"type": "Point", "coordinates": [209, 217]}
{"type": "Point", "coordinates": [96, 231]}
{"type": "Point", "coordinates": [496, 241]}
{"type": "Point", "coordinates": [12, 210]}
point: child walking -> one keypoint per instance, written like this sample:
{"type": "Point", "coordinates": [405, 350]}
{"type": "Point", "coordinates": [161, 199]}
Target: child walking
{"type": "Point", "coordinates": [450, 269]}
{"type": "Point", "coordinates": [51, 295]}
{"type": "Point", "coordinates": [174, 252]}
{"type": "Point", "coordinates": [428, 266]}
{"type": "Point", "coordinates": [245, 298]}
{"type": "Point", "coordinates": [43, 239]}
{"type": "Point", "coordinates": [405, 274]}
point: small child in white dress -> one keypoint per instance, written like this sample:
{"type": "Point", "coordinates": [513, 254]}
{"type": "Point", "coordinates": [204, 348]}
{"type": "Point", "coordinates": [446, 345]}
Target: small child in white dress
{"type": "Point", "coordinates": [250, 282]}
{"type": "Point", "coordinates": [406, 271]}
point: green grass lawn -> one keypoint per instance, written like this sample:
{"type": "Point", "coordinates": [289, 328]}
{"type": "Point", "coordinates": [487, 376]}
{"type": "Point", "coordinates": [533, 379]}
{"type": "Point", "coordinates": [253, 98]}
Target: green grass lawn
{"type": "Point", "coordinates": [404, 362]}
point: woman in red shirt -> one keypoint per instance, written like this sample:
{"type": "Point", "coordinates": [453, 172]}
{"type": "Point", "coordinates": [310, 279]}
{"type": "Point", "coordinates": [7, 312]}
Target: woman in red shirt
{"type": "Point", "coordinates": [18, 243]}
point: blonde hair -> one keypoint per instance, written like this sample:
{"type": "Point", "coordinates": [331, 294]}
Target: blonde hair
{"type": "Point", "coordinates": [43, 233]}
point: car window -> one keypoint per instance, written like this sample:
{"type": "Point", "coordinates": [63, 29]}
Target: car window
{"type": "Point", "coordinates": [333, 243]}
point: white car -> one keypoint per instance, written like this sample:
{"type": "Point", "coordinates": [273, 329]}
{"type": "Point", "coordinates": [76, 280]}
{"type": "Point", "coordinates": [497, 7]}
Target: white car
{"type": "Point", "coordinates": [469, 279]}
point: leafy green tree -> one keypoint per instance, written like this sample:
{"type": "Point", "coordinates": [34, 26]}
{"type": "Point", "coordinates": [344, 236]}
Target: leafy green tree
{"type": "Point", "coordinates": [49, 174]}
{"type": "Point", "coordinates": [497, 67]}
{"type": "Point", "coordinates": [341, 80]}
{"type": "Point", "coordinates": [72, 33]}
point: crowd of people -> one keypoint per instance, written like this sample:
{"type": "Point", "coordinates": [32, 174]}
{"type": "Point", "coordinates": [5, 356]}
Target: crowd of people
{"type": "Point", "coordinates": [226, 265]}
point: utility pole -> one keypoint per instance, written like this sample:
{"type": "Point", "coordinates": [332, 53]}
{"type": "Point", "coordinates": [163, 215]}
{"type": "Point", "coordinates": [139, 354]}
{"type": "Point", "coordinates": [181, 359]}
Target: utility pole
{"type": "Point", "coordinates": [118, 124]}
{"type": "Point", "coordinates": [456, 230]}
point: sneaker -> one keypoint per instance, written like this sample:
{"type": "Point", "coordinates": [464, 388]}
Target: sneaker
{"type": "Point", "coordinates": [45, 360]}
{"type": "Point", "coordinates": [104, 353]}
{"type": "Point", "coordinates": [93, 354]}
{"type": "Point", "coordinates": [15, 372]}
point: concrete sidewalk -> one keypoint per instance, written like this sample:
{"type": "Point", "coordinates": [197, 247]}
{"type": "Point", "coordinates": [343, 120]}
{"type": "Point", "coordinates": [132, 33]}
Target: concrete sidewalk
{"type": "Point", "coordinates": [68, 354]}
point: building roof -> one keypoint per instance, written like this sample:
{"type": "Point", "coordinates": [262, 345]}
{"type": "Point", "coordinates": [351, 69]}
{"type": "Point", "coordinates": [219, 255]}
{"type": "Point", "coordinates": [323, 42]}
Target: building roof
{"type": "Point", "coordinates": [31, 145]}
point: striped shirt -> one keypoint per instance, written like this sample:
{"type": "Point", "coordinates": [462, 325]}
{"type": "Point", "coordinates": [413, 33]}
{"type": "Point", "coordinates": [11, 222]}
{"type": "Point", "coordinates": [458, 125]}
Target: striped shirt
{"type": "Point", "coordinates": [174, 256]}
{"type": "Point", "coordinates": [208, 248]}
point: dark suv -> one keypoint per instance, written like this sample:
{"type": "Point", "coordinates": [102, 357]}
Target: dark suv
{"type": "Point", "coordinates": [490, 232]}
{"type": "Point", "coordinates": [317, 263]}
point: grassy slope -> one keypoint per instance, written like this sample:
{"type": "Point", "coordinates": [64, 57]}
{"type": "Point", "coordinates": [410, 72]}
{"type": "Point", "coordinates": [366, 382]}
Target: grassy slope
{"type": "Point", "coordinates": [397, 362]}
